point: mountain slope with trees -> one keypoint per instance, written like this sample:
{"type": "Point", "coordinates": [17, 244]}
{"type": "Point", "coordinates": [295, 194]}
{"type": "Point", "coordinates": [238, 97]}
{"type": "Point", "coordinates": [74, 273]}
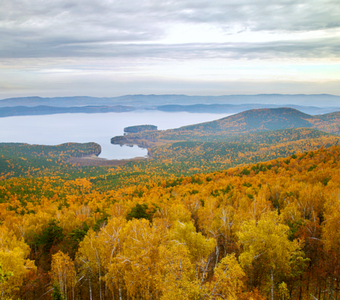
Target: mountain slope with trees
{"type": "Point", "coordinates": [263, 231]}
{"type": "Point", "coordinates": [256, 120]}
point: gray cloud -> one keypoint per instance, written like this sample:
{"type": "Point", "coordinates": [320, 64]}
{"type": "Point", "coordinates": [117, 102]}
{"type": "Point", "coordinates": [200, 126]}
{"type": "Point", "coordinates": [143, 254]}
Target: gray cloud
{"type": "Point", "coordinates": [106, 88]}
{"type": "Point", "coordinates": [313, 48]}
{"type": "Point", "coordinates": [65, 28]}
{"type": "Point", "coordinates": [113, 47]}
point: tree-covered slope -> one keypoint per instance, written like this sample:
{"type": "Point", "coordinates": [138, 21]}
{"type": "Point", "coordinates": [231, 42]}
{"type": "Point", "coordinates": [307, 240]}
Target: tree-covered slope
{"type": "Point", "coordinates": [19, 159]}
{"type": "Point", "coordinates": [251, 121]}
{"type": "Point", "coordinates": [238, 234]}
{"type": "Point", "coordinates": [256, 120]}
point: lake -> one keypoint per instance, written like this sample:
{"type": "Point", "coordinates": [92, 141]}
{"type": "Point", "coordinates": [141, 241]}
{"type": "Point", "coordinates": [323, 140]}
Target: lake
{"type": "Point", "coordinates": [99, 128]}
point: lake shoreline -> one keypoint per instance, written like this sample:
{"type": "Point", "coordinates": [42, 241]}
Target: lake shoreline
{"type": "Point", "coordinates": [98, 127]}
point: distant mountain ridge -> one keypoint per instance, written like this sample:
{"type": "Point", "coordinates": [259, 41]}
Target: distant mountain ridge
{"type": "Point", "coordinates": [50, 110]}
{"type": "Point", "coordinates": [319, 100]}
{"type": "Point", "coordinates": [232, 104]}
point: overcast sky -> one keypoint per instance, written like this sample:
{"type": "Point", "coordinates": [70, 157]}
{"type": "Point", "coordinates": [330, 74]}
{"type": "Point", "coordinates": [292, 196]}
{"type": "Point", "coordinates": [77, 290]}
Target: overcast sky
{"type": "Point", "coordinates": [195, 47]}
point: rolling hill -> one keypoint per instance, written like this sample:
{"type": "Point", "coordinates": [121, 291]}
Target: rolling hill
{"type": "Point", "coordinates": [257, 120]}
{"type": "Point", "coordinates": [251, 121]}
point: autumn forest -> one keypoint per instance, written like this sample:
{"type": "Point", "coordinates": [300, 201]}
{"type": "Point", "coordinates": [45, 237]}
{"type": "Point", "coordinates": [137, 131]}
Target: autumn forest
{"type": "Point", "coordinates": [245, 207]}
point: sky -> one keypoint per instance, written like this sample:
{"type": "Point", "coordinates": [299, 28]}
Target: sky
{"type": "Point", "coordinates": [109, 48]}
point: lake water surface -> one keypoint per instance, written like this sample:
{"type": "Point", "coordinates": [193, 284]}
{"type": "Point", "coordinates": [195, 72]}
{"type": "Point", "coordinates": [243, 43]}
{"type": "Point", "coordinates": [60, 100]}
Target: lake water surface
{"type": "Point", "coordinates": [99, 128]}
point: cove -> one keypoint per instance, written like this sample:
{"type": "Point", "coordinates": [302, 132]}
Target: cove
{"type": "Point", "coordinates": [99, 127]}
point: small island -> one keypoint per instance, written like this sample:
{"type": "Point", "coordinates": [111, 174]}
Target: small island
{"type": "Point", "coordinates": [132, 136]}
{"type": "Point", "coordinates": [139, 128]}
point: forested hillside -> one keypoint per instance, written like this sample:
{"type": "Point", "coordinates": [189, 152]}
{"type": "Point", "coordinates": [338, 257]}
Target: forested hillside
{"type": "Point", "coordinates": [173, 159]}
{"type": "Point", "coordinates": [261, 231]}
{"type": "Point", "coordinates": [18, 159]}
{"type": "Point", "coordinates": [251, 121]}
{"type": "Point", "coordinates": [251, 216]}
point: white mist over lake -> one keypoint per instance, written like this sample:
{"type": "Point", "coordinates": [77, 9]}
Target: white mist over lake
{"type": "Point", "coordinates": [99, 128]}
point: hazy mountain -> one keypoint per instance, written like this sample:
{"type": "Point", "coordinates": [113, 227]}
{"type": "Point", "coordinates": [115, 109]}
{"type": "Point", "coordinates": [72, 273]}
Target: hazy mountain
{"type": "Point", "coordinates": [319, 100]}
{"type": "Point", "coordinates": [50, 110]}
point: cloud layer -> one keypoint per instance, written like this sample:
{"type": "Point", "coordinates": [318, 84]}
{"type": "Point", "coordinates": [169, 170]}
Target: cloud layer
{"type": "Point", "coordinates": [139, 37]}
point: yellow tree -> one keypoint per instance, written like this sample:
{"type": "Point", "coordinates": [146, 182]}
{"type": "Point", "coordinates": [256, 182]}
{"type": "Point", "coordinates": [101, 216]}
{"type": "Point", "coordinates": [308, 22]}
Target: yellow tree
{"type": "Point", "coordinates": [90, 260]}
{"type": "Point", "coordinates": [14, 262]}
{"type": "Point", "coordinates": [331, 239]}
{"type": "Point", "coordinates": [266, 245]}
{"type": "Point", "coordinates": [209, 223]}
{"type": "Point", "coordinates": [113, 238]}
{"type": "Point", "coordinates": [63, 272]}
{"type": "Point", "coordinates": [199, 247]}
{"type": "Point", "coordinates": [228, 279]}
{"type": "Point", "coordinates": [330, 232]}
{"type": "Point", "coordinates": [179, 281]}
{"type": "Point", "coordinates": [136, 270]}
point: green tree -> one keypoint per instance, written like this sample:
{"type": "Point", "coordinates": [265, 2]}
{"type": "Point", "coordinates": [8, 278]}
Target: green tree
{"type": "Point", "coordinates": [140, 211]}
{"type": "Point", "coordinates": [51, 235]}
{"type": "Point", "coordinates": [56, 294]}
